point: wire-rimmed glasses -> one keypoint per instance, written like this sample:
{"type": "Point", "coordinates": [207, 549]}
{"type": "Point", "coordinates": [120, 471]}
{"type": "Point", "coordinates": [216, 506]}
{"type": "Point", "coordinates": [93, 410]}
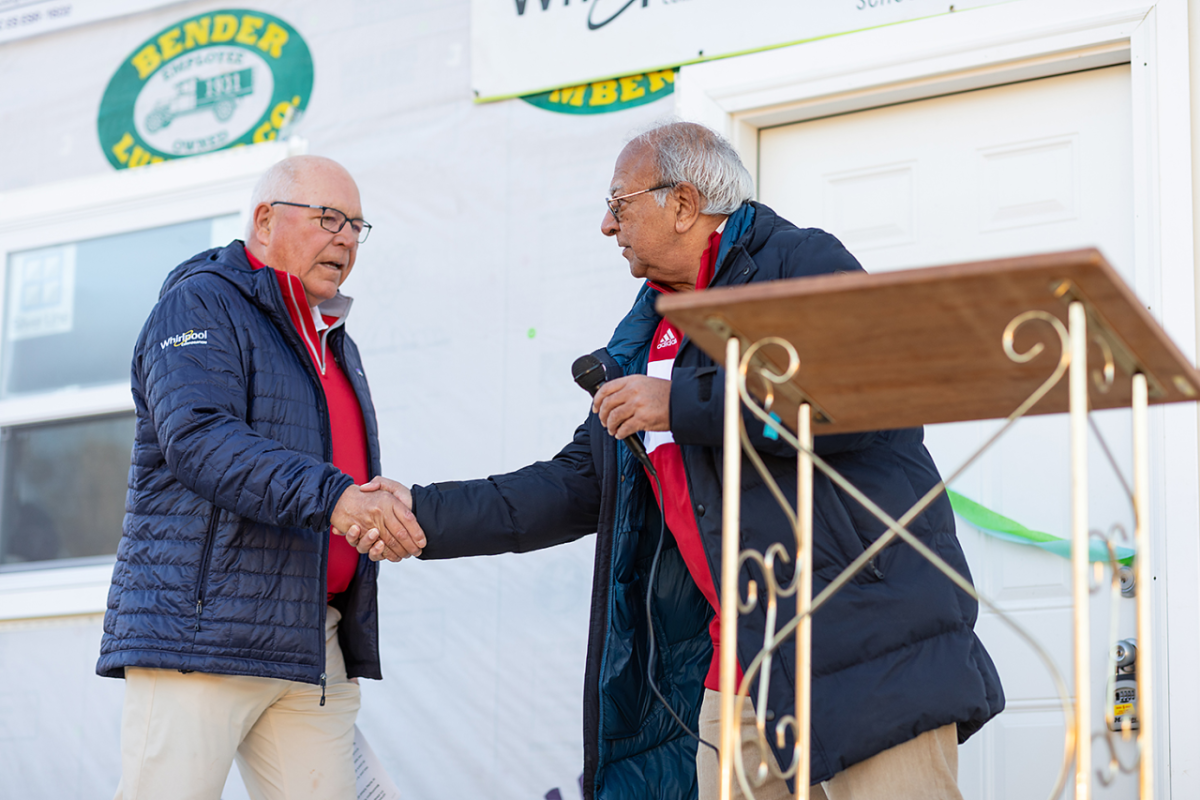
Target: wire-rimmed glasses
{"type": "Point", "coordinates": [614, 203]}
{"type": "Point", "coordinates": [333, 220]}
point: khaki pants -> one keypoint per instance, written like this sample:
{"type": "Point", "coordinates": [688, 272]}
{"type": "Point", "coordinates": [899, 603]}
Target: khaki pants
{"type": "Point", "coordinates": [180, 733]}
{"type": "Point", "coordinates": [924, 768]}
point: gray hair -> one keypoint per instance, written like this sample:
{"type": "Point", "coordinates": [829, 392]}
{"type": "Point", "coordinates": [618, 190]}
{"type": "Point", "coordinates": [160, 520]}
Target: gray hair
{"type": "Point", "coordinates": [275, 183]}
{"type": "Point", "coordinates": [686, 151]}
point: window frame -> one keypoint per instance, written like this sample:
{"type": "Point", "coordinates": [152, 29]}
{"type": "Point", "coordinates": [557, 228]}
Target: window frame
{"type": "Point", "coordinates": [152, 196]}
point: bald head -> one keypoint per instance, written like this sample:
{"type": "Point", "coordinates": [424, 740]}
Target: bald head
{"type": "Point", "coordinates": [285, 233]}
{"type": "Point", "coordinates": [278, 182]}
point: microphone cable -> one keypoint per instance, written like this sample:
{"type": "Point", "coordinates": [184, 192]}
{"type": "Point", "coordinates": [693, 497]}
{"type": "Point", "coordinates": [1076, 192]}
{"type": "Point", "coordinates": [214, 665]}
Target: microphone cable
{"type": "Point", "coordinates": [653, 649]}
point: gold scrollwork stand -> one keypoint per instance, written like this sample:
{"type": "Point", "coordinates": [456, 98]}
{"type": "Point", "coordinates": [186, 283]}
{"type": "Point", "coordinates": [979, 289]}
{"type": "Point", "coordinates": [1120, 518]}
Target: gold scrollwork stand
{"type": "Point", "coordinates": [855, 352]}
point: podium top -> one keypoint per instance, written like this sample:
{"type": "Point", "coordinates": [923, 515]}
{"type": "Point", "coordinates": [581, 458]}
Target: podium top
{"type": "Point", "coordinates": [900, 349]}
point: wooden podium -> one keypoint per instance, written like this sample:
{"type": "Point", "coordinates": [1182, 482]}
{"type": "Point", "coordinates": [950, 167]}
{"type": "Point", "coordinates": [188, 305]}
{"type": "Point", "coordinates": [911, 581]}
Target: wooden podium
{"type": "Point", "coordinates": [985, 340]}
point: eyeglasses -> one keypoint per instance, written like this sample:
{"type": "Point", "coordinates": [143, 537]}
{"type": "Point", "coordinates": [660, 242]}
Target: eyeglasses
{"type": "Point", "coordinates": [333, 220]}
{"type": "Point", "coordinates": [614, 203]}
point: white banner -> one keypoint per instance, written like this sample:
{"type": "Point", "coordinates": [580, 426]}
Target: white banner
{"type": "Point", "coordinates": [521, 47]}
{"type": "Point", "coordinates": [23, 18]}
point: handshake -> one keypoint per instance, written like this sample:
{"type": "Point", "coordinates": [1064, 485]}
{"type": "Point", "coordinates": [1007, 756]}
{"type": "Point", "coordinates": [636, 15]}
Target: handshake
{"type": "Point", "coordinates": [376, 518]}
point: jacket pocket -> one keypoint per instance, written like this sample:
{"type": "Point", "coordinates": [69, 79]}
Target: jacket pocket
{"type": "Point", "coordinates": [833, 522]}
{"type": "Point", "coordinates": [210, 539]}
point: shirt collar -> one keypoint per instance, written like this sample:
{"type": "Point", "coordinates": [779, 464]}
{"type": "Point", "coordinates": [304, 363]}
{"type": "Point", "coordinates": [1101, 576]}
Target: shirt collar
{"type": "Point", "coordinates": [324, 318]}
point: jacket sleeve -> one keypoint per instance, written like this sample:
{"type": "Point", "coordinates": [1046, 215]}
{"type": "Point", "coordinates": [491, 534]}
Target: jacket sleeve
{"type": "Point", "coordinates": [697, 409]}
{"type": "Point", "coordinates": [544, 504]}
{"type": "Point", "coordinates": [197, 396]}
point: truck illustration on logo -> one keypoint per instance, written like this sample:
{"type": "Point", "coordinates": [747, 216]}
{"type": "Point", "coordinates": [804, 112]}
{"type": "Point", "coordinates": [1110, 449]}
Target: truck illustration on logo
{"type": "Point", "coordinates": [220, 93]}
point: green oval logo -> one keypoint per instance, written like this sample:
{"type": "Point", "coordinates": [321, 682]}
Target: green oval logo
{"type": "Point", "coordinates": [211, 82]}
{"type": "Point", "coordinates": [602, 97]}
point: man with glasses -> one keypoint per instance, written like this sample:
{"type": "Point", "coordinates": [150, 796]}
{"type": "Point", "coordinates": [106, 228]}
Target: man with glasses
{"type": "Point", "coordinates": [899, 677]}
{"type": "Point", "coordinates": [238, 617]}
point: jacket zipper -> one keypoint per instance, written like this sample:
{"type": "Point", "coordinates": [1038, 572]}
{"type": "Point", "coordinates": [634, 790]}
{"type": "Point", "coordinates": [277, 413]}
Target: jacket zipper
{"type": "Point", "coordinates": [322, 588]}
{"type": "Point", "coordinates": [874, 570]}
{"type": "Point", "coordinates": [323, 408]}
{"type": "Point", "coordinates": [209, 541]}
{"type": "Point", "coordinates": [618, 512]}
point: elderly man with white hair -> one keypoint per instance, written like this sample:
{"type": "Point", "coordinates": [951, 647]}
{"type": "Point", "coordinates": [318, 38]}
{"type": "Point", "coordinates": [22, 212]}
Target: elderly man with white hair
{"type": "Point", "coordinates": [899, 677]}
{"type": "Point", "coordinates": [238, 617]}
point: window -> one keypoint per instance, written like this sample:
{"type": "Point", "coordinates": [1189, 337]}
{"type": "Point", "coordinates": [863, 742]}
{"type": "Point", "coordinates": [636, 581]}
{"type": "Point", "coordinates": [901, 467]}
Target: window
{"type": "Point", "coordinates": [79, 278]}
{"type": "Point", "coordinates": [63, 493]}
{"type": "Point", "coordinates": [74, 310]}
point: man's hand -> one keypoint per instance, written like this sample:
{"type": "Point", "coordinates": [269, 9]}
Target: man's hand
{"type": "Point", "coordinates": [396, 532]}
{"type": "Point", "coordinates": [634, 403]}
{"type": "Point", "coordinates": [368, 540]}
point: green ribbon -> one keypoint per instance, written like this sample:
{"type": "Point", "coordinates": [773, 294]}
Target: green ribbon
{"type": "Point", "coordinates": [1001, 527]}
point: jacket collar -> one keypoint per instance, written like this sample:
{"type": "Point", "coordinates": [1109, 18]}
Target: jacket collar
{"type": "Point", "coordinates": [735, 228]}
{"type": "Point", "coordinates": [633, 333]}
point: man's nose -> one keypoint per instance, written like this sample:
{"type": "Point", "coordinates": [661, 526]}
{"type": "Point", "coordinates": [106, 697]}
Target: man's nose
{"type": "Point", "coordinates": [609, 225]}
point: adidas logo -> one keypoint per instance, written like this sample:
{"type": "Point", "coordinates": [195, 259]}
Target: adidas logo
{"type": "Point", "coordinates": [667, 340]}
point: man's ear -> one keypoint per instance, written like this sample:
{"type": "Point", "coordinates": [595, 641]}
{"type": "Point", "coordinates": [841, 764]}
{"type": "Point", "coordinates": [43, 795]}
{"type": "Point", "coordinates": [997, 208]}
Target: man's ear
{"type": "Point", "coordinates": [263, 218]}
{"type": "Point", "coordinates": [687, 206]}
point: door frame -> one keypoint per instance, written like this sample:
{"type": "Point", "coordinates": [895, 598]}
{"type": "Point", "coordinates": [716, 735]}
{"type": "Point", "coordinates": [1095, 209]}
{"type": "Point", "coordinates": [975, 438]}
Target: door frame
{"type": "Point", "coordinates": [995, 45]}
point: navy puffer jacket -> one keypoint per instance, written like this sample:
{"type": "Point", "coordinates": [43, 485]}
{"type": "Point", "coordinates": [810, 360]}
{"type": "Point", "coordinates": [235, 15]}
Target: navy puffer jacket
{"type": "Point", "coordinates": [895, 654]}
{"type": "Point", "coordinates": [222, 560]}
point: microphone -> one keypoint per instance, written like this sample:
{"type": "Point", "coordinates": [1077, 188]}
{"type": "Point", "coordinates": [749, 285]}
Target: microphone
{"type": "Point", "coordinates": [588, 371]}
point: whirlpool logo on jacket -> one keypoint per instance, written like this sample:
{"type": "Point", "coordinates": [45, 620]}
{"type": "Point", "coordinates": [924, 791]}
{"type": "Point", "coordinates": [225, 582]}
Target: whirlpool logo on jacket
{"type": "Point", "coordinates": [184, 339]}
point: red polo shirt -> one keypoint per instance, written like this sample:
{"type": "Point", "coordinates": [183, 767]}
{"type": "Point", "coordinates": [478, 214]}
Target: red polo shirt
{"type": "Point", "coordinates": [345, 415]}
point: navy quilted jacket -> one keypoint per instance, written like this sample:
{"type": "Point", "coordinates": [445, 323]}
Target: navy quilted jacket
{"type": "Point", "coordinates": [894, 653]}
{"type": "Point", "coordinates": [222, 560]}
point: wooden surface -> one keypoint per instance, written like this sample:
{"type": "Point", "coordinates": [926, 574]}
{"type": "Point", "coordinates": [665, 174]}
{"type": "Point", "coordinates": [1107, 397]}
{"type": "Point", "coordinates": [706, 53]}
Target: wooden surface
{"type": "Point", "coordinates": [920, 346]}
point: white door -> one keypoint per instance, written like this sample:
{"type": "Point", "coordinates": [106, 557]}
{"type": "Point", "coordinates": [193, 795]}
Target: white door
{"type": "Point", "coordinates": [1023, 168]}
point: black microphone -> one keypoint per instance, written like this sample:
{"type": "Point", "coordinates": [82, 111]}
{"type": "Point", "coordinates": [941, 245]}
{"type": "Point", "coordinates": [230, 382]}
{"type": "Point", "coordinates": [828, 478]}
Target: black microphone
{"type": "Point", "coordinates": [588, 371]}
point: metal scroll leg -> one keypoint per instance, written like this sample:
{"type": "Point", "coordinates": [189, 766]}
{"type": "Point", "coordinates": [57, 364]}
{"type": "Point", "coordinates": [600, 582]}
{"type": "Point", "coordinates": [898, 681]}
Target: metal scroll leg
{"type": "Point", "coordinates": [730, 547]}
{"type": "Point", "coordinates": [1142, 579]}
{"type": "Point", "coordinates": [804, 546]}
{"type": "Point", "coordinates": [1078, 378]}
